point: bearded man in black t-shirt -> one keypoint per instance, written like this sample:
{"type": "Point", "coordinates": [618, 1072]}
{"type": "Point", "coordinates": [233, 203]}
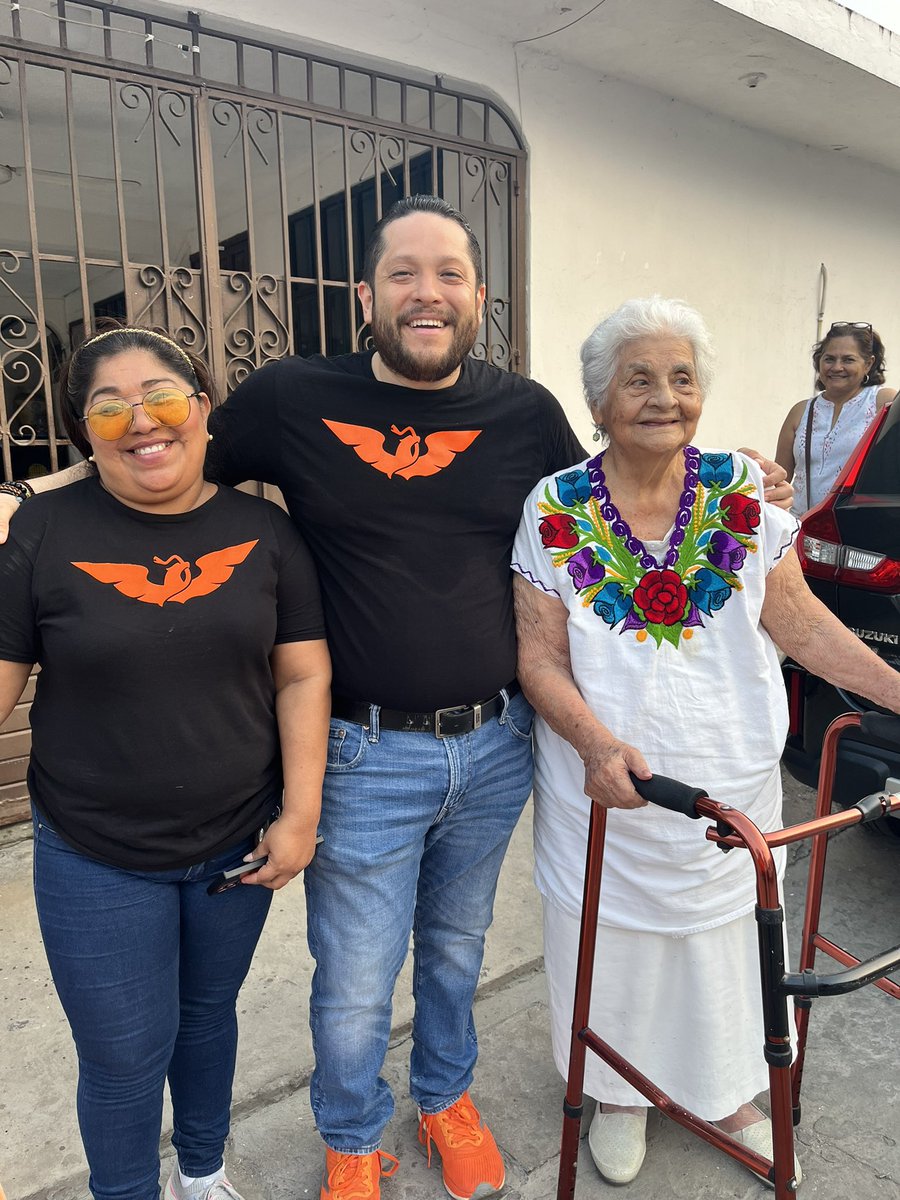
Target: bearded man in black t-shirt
{"type": "Point", "coordinates": [406, 470]}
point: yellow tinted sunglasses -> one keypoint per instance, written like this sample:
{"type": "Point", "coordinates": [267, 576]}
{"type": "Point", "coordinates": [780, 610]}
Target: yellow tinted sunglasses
{"type": "Point", "coordinates": [110, 419]}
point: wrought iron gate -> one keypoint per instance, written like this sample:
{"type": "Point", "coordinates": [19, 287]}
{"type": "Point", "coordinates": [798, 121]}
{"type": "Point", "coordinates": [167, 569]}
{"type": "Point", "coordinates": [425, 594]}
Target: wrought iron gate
{"type": "Point", "coordinates": [218, 189]}
{"type": "Point", "coordinates": [222, 193]}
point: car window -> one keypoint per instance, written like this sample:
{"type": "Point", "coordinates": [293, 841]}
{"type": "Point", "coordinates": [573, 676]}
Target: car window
{"type": "Point", "coordinates": [880, 474]}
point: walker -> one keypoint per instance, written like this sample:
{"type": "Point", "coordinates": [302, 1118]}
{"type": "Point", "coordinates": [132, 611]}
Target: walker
{"type": "Point", "coordinates": [733, 829]}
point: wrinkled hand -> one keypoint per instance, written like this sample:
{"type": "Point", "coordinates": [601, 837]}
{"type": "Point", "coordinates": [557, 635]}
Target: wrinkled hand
{"type": "Point", "coordinates": [606, 779]}
{"type": "Point", "coordinates": [290, 844]}
{"type": "Point", "coordinates": [775, 481]}
{"type": "Point", "coordinates": [9, 506]}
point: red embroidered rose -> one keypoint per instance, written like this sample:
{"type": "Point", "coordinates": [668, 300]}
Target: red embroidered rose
{"type": "Point", "coordinates": [741, 512]}
{"type": "Point", "coordinates": [558, 530]}
{"type": "Point", "coordinates": [662, 597]}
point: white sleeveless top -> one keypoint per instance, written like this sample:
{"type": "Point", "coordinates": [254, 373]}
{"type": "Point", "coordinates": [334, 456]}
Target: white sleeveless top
{"type": "Point", "coordinates": [831, 446]}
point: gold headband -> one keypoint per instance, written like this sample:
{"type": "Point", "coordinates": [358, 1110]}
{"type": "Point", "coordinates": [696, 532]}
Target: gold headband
{"type": "Point", "coordinates": [130, 329]}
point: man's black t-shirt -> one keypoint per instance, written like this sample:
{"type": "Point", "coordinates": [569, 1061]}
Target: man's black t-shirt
{"type": "Point", "coordinates": [154, 735]}
{"type": "Point", "coordinates": [409, 500]}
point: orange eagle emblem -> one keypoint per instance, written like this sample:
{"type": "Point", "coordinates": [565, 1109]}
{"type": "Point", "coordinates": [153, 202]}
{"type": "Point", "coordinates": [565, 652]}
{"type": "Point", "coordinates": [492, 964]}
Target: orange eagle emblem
{"type": "Point", "coordinates": [413, 456]}
{"type": "Point", "coordinates": [180, 582]}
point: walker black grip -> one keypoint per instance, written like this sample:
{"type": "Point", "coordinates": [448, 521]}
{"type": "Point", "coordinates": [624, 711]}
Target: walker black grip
{"type": "Point", "coordinates": [669, 793]}
{"type": "Point", "coordinates": [881, 727]}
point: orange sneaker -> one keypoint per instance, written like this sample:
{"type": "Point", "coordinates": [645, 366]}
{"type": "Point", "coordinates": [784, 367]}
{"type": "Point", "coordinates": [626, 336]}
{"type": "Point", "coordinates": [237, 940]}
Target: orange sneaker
{"type": "Point", "coordinates": [355, 1176]}
{"type": "Point", "coordinates": [471, 1164]}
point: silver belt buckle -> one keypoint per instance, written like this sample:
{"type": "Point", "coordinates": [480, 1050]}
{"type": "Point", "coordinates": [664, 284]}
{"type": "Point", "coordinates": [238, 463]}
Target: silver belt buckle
{"type": "Point", "coordinates": [457, 708]}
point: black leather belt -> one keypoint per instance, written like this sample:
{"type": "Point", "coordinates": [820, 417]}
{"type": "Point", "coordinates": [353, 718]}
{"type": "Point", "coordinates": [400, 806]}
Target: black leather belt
{"type": "Point", "coordinates": [444, 722]}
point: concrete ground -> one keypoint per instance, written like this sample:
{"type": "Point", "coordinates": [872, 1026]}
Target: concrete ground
{"type": "Point", "coordinates": [847, 1142]}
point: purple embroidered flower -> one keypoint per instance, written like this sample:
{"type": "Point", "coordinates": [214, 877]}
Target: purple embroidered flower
{"type": "Point", "coordinates": [726, 552]}
{"type": "Point", "coordinates": [634, 621]}
{"type": "Point", "coordinates": [573, 487]}
{"type": "Point", "coordinates": [710, 591]}
{"type": "Point", "coordinates": [585, 568]}
{"type": "Point", "coordinates": [693, 616]}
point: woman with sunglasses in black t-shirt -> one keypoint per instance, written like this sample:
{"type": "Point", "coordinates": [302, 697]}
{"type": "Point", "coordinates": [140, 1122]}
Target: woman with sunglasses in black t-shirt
{"type": "Point", "coordinates": [178, 629]}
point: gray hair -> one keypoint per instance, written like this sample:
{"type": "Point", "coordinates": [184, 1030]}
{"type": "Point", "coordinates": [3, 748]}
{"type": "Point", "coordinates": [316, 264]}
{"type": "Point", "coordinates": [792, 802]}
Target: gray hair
{"type": "Point", "coordinates": [653, 317]}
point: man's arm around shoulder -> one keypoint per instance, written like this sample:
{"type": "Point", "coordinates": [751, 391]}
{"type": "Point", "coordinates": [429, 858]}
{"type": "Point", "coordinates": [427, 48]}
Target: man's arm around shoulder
{"type": "Point", "coordinates": [9, 505]}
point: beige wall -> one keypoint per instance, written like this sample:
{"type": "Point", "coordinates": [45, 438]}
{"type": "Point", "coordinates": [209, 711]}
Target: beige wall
{"type": "Point", "coordinates": [632, 192]}
{"type": "Point", "coordinates": [675, 200]}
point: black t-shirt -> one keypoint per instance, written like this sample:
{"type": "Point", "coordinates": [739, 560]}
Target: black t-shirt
{"type": "Point", "coordinates": [409, 500]}
{"type": "Point", "coordinates": [154, 741]}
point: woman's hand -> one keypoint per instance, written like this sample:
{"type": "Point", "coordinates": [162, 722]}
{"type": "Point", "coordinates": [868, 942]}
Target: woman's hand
{"type": "Point", "coordinates": [290, 845]}
{"type": "Point", "coordinates": [606, 769]}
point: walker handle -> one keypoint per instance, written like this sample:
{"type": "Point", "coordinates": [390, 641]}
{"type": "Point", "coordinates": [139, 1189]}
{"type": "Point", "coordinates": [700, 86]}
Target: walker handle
{"type": "Point", "coordinates": [669, 793]}
{"type": "Point", "coordinates": [883, 727]}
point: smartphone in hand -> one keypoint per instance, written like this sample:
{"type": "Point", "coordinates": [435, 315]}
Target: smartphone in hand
{"type": "Point", "coordinates": [232, 877]}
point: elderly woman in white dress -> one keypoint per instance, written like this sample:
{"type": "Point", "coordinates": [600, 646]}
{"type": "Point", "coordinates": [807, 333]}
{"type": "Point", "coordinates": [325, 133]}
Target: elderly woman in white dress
{"type": "Point", "coordinates": [653, 584]}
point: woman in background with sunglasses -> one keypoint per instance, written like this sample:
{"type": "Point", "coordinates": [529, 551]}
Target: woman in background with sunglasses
{"type": "Point", "coordinates": [179, 631]}
{"type": "Point", "coordinates": [819, 434]}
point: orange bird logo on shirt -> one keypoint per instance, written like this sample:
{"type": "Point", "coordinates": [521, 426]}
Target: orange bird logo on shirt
{"type": "Point", "coordinates": [414, 455]}
{"type": "Point", "coordinates": [180, 583]}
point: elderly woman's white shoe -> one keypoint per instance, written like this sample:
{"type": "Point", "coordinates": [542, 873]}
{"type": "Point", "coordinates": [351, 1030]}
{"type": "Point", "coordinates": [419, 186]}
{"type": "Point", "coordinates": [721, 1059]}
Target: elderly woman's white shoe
{"type": "Point", "coordinates": [618, 1143]}
{"type": "Point", "coordinates": [758, 1137]}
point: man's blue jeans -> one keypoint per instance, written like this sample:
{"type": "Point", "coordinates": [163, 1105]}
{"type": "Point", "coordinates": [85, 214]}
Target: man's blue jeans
{"type": "Point", "coordinates": [415, 832]}
{"type": "Point", "coordinates": [148, 969]}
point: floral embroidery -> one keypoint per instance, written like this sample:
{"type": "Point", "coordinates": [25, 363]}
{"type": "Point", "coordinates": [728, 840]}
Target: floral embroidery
{"type": "Point", "coordinates": [558, 529]}
{"type": "Point", "coordinates": [715, 529]}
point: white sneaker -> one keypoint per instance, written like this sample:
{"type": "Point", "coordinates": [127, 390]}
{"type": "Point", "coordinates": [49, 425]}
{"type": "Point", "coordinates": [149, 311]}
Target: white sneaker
{"type": "Point", "coordinates": [220, 1190]}
{"type": "Point", "coordinates": [618, 1143]}
{"type": "Point", "coordinates": [758, 1137]}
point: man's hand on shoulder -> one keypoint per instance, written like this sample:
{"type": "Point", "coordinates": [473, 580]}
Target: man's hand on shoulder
{"type": "Point", "coordinates": [775, 481]}
{"type": "Point", "coordinates": [8, 507]}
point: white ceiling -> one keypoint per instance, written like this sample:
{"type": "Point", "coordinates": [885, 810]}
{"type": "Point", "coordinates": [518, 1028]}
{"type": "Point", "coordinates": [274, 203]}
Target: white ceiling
{"type": "Point", "coordinates": [698, 50]}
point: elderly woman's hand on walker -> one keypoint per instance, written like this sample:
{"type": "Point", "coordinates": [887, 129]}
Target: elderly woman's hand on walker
{"type": "Point", "coordinates": [545, 670]}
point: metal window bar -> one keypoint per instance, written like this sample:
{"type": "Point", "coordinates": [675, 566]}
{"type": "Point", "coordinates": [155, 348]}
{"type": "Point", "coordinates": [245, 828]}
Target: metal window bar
{"type": "Point", "coordinates": [188, 302]}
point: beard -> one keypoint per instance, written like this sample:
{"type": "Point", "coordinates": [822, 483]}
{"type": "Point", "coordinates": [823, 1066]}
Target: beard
{"type": "Point", "coordinates": [424, 366]}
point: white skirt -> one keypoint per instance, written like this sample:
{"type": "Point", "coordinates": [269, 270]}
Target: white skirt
{"type": "Point", "coordinates": [685, 1011]}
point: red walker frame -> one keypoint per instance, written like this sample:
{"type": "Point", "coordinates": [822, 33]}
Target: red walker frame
{"type": "Point", "coordinates": [733, 829]}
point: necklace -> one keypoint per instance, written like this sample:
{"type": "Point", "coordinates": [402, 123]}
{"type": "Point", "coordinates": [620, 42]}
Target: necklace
{"type": "Point", "coordinates": [622, 529]}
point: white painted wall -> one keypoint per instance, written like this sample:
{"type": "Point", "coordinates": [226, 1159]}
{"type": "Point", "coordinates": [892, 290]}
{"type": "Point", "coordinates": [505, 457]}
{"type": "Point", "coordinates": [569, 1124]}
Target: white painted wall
{"type": "Point", "coordinates": [632, 192]}
{"type": "Point", "coordinates": [675, 200]}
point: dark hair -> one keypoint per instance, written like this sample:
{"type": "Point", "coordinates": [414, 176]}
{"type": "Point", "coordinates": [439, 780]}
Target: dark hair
{"type": "Point", "coordinates": [112, 337]}
{"type": "Point", "coordinates": [868, 343]}
{"type": "Point", "coordinates": [405, 208]}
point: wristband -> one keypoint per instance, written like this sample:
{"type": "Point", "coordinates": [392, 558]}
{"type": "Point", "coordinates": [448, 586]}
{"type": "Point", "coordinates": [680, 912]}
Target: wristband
{"type": "Point", "coordinates": [19, 489]}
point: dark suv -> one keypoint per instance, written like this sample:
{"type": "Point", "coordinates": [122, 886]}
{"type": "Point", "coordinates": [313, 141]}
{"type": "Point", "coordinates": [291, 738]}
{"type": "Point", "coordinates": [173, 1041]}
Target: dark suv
{"type": "Point", "coordinates": [849, 548]}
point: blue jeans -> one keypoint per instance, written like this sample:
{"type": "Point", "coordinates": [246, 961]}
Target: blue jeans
{"type": "Point", "coordinates": [148, 968]}
{"type": "Point", "coordinates": [415, 833]}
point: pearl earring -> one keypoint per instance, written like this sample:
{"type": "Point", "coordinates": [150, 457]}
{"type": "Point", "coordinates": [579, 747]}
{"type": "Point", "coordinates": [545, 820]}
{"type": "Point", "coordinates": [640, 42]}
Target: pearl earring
{"type": "Point", "coordinates": [209, 437]}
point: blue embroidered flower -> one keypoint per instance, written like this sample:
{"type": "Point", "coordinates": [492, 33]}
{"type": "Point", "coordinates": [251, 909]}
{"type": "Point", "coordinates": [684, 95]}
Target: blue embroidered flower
{"type": "Point", "coordinates": [573, 487]}
{"type": "Point", "coordinates": [585, 568]}
{"type": "Point", "coordinates": [710, 591]}
{"type": "Point", "coordinates": [611, 605]}
{"type": "Point", "coordinates": [716, 470]}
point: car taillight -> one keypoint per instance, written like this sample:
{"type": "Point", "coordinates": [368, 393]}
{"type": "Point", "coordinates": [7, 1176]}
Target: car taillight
{"type": "Point", "coordinates": [820, 549]}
